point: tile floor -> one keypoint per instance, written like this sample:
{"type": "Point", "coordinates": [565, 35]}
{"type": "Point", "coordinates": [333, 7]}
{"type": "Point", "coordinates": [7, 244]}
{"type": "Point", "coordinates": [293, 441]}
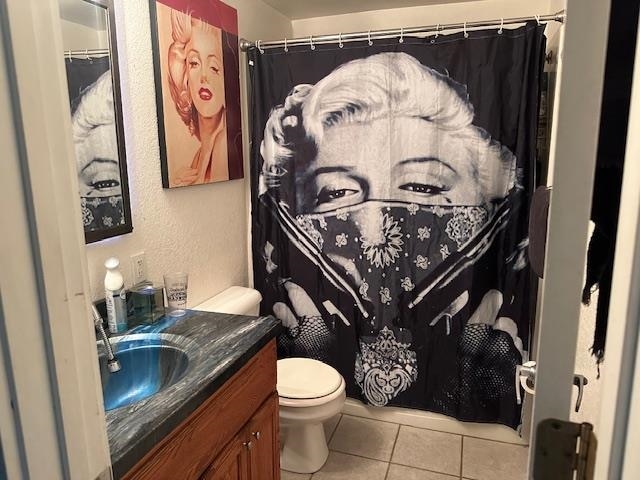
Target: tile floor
{"type": "Point", "coordinates": [364, 449]}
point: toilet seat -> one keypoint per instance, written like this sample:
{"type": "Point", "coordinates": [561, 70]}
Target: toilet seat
{"type": "Point", "coordinates": [307, 382]}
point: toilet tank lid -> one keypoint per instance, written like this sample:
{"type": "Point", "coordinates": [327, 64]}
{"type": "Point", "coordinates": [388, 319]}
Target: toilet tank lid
{"type": "Point", "coordinates": [305, 378]}
{"type": "Point", "coordinates": [235, 300]}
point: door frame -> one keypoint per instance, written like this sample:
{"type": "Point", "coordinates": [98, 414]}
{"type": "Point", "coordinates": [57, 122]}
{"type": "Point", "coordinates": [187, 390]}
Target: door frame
{"type": "Point", "coordinates": [48, 367]}
{"type": "Point", "coordinates": [575, 135]}
{"type": "Point", "coordinates": [574, 142]}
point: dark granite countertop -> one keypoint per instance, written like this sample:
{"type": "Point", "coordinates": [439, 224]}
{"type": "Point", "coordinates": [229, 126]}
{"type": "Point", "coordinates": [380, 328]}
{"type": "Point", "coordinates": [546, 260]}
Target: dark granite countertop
{"type": "Point", "coordinates": [218, 345]}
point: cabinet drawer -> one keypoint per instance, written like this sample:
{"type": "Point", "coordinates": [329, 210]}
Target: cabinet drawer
{"type": "Point", "coordinates": [190, 448]}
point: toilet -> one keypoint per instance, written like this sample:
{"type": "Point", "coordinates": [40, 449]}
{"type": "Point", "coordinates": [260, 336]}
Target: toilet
{"type": "Point", "coordinates": [310, 392]}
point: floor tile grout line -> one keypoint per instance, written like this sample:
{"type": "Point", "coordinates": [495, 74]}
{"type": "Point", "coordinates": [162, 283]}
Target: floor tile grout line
{"type": "Point", "coordinates": [395, 442]}
{"type": "Point", "coordinates": [390, 463]}
{"type": "Point", "coordinates": [491, 440]}
{"type": "Point", "coordinates": [441, 431]}
{"type": "Point", "coordinates": [422, 469]}
{"type": "Point", "coordinates": [461, 454]}
{"type": "Point", "coordinates": [386, 475]}
{"type": "Point", "coordinates": [333, 449]}
{"type": "Point", "coordinates": [358, 455]}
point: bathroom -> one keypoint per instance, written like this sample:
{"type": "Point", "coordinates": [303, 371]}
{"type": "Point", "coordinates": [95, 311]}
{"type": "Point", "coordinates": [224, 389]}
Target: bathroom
{"type": "Point", "coordinates": [54, 421]}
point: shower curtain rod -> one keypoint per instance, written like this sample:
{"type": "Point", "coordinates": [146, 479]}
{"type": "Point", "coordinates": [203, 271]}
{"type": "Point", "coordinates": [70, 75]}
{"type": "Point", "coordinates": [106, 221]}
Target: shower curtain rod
{"type": "Point", "coordinates": [89, 52]}
{"type": "Point", "coordinates": [395, 32]}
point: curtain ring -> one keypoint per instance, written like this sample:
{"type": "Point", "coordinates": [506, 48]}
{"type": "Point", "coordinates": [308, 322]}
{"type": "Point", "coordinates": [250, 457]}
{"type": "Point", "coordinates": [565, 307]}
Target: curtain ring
{"type": "Point", "coordinates": [369, 37]}
{"type": "Point", "coordinates": [340, 44]}
{"type": "Point", "coordinates": [286, 48]}
{"type": "Point", "coordinates": [437, 30]}
{"type": "Point", "coordinates": [401, 35]}
{"type": "Point", "coordinates": [69, 55]}
{"type": "Point", "coordinates": [313, 47]}
{"type": "Point", "coordinates": [260, 49]}
{"type": "Point", "coordinates": [464, 29]}
{"type": "Point", "coordinates": [537, 17]}
{"type": "Point", "coordinates": [501, 26]}
{"type": "Point", "coordinates": [86, 53]}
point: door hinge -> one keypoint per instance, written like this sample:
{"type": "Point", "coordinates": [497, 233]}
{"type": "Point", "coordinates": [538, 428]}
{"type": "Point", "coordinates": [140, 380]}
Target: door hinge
{"type": "Point", "coordinates": [564, 451]}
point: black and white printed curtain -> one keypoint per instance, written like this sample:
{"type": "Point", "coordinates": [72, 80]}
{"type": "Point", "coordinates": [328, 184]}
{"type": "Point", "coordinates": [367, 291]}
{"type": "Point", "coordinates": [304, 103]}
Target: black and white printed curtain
{"type": "Point", "coordinates": [390, 191]}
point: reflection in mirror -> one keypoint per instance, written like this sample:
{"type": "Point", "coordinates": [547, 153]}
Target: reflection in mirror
{"type": "Point", "coordinates": [90, 57]}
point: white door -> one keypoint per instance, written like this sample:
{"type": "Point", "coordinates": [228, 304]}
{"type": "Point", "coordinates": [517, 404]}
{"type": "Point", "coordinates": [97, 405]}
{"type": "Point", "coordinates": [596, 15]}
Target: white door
{"type": "Point", "coordinates": [573, 153]}
{"type": "Point", "coordinates": [52, 423]}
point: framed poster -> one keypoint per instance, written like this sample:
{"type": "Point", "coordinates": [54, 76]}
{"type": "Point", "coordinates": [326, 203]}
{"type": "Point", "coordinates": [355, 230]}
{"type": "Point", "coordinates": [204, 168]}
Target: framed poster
{"type": "Point", "coordinates": [196, 64]}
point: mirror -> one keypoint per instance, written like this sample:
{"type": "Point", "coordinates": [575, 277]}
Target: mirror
{"type": "Point", "coordinates": [91, 60]}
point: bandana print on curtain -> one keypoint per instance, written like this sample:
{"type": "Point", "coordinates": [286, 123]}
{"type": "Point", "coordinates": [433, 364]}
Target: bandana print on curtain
{"type": "Point", "coordinates": [390, 193]}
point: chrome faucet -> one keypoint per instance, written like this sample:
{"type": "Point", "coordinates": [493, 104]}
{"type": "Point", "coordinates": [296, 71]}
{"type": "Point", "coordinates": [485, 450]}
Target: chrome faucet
{"type": "Point", "coordinates": [112, 362]}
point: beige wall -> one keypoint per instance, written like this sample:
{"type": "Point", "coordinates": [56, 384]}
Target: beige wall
{"type": "Point", "coordinates": [418, 16]}
{"type": "Point", "coordinates": [200, 229]}
{"type": "Point", "coordinates": [76, 36]}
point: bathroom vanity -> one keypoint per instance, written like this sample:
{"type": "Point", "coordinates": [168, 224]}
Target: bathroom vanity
{"type": "Point", "coordinates": [220, 420]}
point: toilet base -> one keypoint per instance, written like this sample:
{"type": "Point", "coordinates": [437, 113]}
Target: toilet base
{"type": "Point", "coordinates": [304, 448]}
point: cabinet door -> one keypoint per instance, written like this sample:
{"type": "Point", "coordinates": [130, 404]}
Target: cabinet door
{"type": "Point", "coordinates": [232, 463]}
{"type": "Point", "coordinates": [262, 431]}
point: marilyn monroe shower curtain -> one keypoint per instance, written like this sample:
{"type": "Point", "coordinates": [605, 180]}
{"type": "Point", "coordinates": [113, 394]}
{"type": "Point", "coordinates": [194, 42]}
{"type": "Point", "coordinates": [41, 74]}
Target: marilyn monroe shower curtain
{"type": "Point", "coordinates": [390, 193]}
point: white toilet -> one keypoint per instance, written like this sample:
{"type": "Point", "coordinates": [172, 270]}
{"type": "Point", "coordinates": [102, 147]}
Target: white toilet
{"type": "Point", "coordinates": [310, 392]}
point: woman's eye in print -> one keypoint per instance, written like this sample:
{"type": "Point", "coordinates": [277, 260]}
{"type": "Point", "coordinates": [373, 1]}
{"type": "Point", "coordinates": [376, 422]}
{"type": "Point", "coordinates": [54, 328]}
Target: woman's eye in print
{"type": "Point", "coordinates": [424, 188]}
{"type": "Point", "coordinates": [194, 63]}
{"type": "Point", "coordinates": [105, 184]}
{"type": "Point", "coordinates": [101, 176]}
{"type": "Point", "coordinates": [329, 195]}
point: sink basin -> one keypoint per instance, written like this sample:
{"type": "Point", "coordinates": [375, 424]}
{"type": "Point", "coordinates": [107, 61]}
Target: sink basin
{"type": "Point", "coordinates": [150, 363]}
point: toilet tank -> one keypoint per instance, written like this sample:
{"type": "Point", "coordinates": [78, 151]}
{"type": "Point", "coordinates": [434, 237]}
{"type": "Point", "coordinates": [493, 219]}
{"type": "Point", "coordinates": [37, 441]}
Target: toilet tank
{"type": "Point", "coordinates": [234, 300]}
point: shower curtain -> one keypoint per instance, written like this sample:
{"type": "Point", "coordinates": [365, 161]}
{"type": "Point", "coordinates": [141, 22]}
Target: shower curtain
{"type": "Point", "coordinates": [390, 189]}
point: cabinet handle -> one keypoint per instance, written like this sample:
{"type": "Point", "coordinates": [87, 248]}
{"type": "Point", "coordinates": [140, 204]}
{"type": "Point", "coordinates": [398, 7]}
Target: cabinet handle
{"type": "Point", "coordinates": [256, 434]}
{"type": "Point", "coordinates": [248, 444]}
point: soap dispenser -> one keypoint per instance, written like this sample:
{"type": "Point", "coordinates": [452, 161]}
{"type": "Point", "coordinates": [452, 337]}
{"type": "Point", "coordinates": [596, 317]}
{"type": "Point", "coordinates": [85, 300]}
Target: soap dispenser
{"type": "Point", "coordinates": [115, 296]}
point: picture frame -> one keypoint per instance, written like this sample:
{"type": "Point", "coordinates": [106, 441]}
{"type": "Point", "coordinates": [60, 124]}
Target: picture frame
{"type": "Point", "coordinates": [197, 82]}
{"type": "Point", "coordinates": [113, 217]}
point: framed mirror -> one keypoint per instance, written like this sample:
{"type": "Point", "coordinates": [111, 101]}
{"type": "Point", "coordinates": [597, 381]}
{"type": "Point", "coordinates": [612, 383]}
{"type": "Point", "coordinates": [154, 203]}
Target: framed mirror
{"type": "Point", "coordinates": [91, 60]}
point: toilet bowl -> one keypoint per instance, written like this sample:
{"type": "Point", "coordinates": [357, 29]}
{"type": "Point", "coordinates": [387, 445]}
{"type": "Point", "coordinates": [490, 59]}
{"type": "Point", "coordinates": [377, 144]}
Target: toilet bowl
{"type": "Point", "coordinates": [310, 392]}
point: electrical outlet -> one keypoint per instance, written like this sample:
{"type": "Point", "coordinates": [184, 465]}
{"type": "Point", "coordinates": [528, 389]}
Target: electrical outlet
{"type": "Point", "coordinates": [139, 267]}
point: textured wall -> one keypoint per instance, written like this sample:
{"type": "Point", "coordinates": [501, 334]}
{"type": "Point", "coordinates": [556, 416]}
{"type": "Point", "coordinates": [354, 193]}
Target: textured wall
{"type": "Point", "coordinates": [200, 229]}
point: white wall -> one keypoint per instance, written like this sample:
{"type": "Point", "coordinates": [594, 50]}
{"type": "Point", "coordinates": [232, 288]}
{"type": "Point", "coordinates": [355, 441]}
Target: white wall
{"type": "Point", "coordinates": [418, 16]}
{"type": "Point", "coordinates": [201, 229]}
{"type": "Point", "coordinates": [76, 36]}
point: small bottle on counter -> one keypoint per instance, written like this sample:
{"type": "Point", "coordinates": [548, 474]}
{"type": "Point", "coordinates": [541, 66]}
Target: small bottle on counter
{"type": "Point", "coordinates": [115, 296]}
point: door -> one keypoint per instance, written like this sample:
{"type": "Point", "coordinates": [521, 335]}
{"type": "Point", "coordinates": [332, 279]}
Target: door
{"type": "Point", "coordinates": [263, 433]}
{"type": "Point", "coordinates": [573, 152]}
{"type": "Point", "coordinates": [232, 463]}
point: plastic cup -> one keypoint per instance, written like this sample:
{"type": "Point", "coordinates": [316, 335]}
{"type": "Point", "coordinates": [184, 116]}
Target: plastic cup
{"type": "Point", "coordinates": [175, 285]}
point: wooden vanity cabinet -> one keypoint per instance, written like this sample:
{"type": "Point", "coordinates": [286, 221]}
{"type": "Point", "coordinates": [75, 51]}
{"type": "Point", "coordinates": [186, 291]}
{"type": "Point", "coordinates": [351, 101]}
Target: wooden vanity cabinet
{"type": "Point", "coordinates": [264, 438]}
{"type": "Point", "coordinates": [233, 435]}
{"type": "Point", "coordinates": [232, 463]}
{"type": "Point", "coordinates": [250, 455]}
